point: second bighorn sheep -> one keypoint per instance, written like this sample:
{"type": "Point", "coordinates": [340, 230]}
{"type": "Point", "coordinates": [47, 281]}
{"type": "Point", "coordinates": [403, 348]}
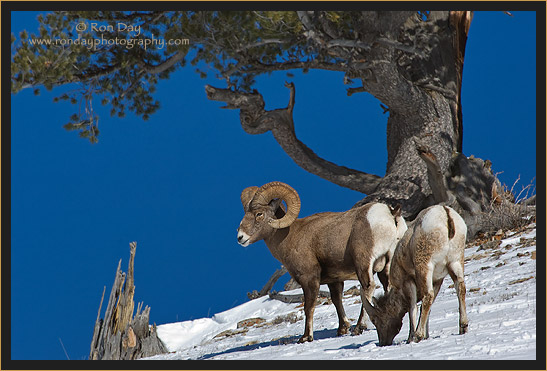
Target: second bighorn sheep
{"type": "Point", "coordinates": [432, 247]}
{"type": "Point", "coordinates": [325, 248]}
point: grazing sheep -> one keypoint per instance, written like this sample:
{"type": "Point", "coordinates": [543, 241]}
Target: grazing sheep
{"type": "Point", "coordinates": [431, 248]}
{"type": "Point", "coordinates": [326, 248]}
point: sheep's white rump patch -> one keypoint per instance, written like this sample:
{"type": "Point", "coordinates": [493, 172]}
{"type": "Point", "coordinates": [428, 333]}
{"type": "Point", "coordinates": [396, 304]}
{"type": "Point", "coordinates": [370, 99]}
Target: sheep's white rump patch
{"type": "Point", "coordinates": [432, 218]}
{"type": "Point", "coordinates": [377, 214]}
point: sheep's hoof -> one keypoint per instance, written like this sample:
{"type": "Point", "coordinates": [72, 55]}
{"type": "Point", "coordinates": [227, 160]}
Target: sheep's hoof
{"type": "Point", "coordinates": [463, 329]}
{"type": "Point", "coordinates": [342, 331]}
{"type": "Point", "coordinates": [358, 329]}
{"type": "Point", "coordinates": [305, 338]}
{"type": "Point", "coordinates": [416, 338]}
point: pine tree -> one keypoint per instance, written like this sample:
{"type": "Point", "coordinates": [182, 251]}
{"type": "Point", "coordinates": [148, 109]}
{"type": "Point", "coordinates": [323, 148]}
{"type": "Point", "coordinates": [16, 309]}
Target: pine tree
{"type": "Point", "coordinates": [412, 61]}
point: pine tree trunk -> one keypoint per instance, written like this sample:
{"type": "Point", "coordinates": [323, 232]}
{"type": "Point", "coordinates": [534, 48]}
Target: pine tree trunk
{"type": "Point", "coordinates": [406, 181]}
{"type": "Point", "coordinates": [414, 67]}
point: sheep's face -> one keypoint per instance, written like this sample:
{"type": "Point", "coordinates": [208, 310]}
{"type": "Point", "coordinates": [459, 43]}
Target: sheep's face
{"type": "Point", "coordinates": [387, 315]}
{"type": "Point", "coordinates": [401, 227]}
{"type": "Point", "coordinates": [387, 328]}
{"type": "Point", "coordinates": [255, 224]}
{"type": "Point", "coordinates": [399, 222]}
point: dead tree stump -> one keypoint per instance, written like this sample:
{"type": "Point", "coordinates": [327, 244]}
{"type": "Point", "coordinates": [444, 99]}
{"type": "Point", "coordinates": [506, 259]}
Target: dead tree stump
{"type": "Point", "coordinates": [119, 336]}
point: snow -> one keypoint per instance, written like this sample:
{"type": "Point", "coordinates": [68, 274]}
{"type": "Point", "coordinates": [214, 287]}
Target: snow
{"type": "Point", "coordinates": [501, 306]}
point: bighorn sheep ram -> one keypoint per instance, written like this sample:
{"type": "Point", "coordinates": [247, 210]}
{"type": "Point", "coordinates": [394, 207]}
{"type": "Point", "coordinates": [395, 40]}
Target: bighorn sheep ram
{"type": "Point", "coordinates": [325, 248]}
{"type": "Point", "coordinates": [432, 247]}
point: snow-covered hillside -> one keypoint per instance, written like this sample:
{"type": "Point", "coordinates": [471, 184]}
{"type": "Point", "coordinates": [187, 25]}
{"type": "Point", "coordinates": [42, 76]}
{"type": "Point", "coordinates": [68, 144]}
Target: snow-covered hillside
{"type": "Point", "coordinates": [501, 306]}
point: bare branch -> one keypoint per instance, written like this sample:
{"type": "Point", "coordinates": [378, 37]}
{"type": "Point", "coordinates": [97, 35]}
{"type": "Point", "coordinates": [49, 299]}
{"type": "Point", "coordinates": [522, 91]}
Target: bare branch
{"type": "Point", "coordinates": [290, 107]}
{"type": "Point", "coordinates": [348, 44]}
{"type": "Point", "coordinates": [259, 67]}
{"type": "Point", "coordinates": [352, 91]}
{"type": "Point", "coordinates": [256, 120]}
{"type": "Point", "coordinates": [268, 286]}
{"type": "Point", "coordinates": [168, 63]}
{"type": "Point", "coordinates": [259, 43]}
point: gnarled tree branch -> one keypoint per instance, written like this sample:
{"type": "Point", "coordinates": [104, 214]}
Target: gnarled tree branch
{"type": "Point", "coordinates": [256, 120]}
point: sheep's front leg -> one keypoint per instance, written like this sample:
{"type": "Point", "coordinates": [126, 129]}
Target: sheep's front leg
{"type": "Point", "coordinates": [456, 273]}
{"type": "Point", "coordinates": [336, 291]}
{"type": "Point", "coordinates": [410, 291]}
{"type": "Point", "coordinates": [436, 287]}
{"type": "Point", "coordinates": [311, 290]}
{"type": "Point", "coordinates": [383, 276]}
{"type": "Point", "coordinates": [367, 290]}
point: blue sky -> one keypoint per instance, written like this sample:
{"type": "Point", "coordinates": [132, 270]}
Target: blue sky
{"type": "Point", "coordinates": [173, 184]}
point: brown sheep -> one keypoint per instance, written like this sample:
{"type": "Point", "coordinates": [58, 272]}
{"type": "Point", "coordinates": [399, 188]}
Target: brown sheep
{"type": "Point", "coordinates": [325, 248]}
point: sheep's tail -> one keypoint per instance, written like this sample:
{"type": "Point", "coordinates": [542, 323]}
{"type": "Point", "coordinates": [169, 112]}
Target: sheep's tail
{"type": "Point", "coordinates": [450, 224]}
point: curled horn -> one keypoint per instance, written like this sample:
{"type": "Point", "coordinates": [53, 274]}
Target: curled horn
{"type": "Point", "coordinates": [369, 308]}
{"type": "Point", "coordinates": [274, 190]}
{"type": "Point", "coordinates": [375, 301]}
{"type": "Point", "coordinates": [247, 195]}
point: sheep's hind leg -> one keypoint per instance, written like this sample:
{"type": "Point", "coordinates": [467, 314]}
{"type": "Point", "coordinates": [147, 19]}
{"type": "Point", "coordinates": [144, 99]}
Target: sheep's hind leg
{"type": "Point", "coordinates": [425, 285]}
{"type": "Point", "coordinates": [336, 290]}
{"type": "Point", "coordinates": [456, 273]}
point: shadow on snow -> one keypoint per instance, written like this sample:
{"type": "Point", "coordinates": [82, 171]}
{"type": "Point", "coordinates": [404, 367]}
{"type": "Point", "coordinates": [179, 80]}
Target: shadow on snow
{"type": "Point", "coordinates": [317, 335]}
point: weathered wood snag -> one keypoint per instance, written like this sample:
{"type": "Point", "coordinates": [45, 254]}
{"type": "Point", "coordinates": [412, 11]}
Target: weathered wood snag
{"type": "Point", "coordinates": [268, 286]}
{"type": "Point", "coordinates": [119, 336]}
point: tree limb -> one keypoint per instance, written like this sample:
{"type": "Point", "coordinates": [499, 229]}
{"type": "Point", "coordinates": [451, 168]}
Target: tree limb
{"type": "Point", "coordinates": [256, 120]}
{"type": "Point", "coordinates": [260, 67]}
{"type": "Point", "coordinates": [168, 63]}
{"type": "Point", "coordinates": [360, 89]}
{"type": "Point", "coordinates": [259, 43]}
{"type": "Point", "coordinates": [348, 44]}
{"type": "Point", "coordinates": [294, 298]}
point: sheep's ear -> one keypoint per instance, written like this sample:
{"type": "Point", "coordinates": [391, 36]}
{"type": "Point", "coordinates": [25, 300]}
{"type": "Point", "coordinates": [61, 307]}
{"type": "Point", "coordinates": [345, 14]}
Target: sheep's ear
{"type": "Point", "coordinates": [370, 309]}
{"type": "Point", "coordinates": [396, 211]}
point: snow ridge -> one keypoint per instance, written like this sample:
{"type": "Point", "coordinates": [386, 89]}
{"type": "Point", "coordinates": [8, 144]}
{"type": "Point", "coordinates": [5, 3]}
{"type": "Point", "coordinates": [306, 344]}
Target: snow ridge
{"type": "Point", "coordinates": [501, 306]}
